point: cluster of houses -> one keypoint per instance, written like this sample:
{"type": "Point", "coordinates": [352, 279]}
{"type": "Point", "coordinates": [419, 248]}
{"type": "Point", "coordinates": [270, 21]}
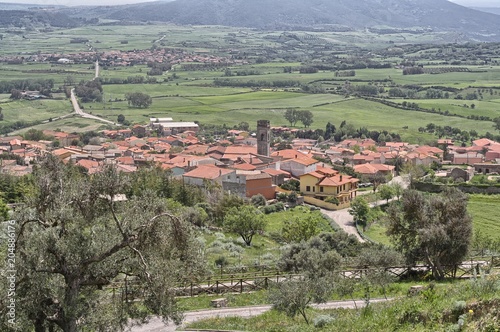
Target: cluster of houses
{"type": "Point", "coordinates": [244, 163]}
{"type": "Point", "coordinates": [125, 58]}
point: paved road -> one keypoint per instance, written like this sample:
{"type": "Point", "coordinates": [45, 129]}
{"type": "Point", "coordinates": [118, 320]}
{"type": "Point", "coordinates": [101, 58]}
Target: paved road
{"type": "Point", "coordinates": [96, 69]}
{"type": "Point", "coordinates": [79, 111]}
{"type": "Point", "coordinates": [156, 325]}
{"type": "Point", "coordinates": [345, 220]}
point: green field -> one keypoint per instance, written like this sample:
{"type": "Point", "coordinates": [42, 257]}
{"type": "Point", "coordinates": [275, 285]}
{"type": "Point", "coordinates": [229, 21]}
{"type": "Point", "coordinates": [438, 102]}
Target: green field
{"type": "Point", "coordinates": [485, 212]}
{"type": "Point", "coordinates": [34, 110]}
{"type": "Point", "coordinates": [188, 94]}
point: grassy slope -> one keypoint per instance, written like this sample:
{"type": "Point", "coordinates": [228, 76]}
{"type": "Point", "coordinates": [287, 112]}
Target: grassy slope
{"type": "Point", "coordinates": [430, 311]}
{"type": "Point", "coordinates": [485, 211]}
{"type": "Point", "coordinates": [263, 251]}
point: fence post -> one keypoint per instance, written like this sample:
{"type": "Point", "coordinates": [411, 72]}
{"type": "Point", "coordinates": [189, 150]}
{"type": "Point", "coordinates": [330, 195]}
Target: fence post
{"type": "Point", "coordinates": [191, 292]}
{"type": "Point", "coordinates": [217, 286]}
{"type": "Point", "coordinates": [241, 286]}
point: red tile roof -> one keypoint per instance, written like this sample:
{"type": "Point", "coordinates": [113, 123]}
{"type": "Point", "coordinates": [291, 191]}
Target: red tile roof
{"type": "Point", "coordinates": [209, 172]}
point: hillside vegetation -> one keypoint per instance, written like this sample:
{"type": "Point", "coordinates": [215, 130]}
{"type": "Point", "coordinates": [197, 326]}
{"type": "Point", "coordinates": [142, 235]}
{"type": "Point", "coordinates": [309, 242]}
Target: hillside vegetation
{"type": "Point", "coordinates": [316, 14]}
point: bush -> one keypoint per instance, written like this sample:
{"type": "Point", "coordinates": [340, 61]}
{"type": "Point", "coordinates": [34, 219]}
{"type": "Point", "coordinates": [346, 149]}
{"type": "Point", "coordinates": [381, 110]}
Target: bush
{"type": "Point", "coordinates": [220, 236]}
{"type": "Point", "coordinates": [269, 209]}
{"type": "Point", "coordinates": [217, 244]}
{"type": "Point", "coordinates": [221, 261]}
{"type": "Point", "coordinates": [258, 200]}
{"type": "Point", "coordinates": [323, 320]}
{"type": "Point", "coordinates": [273, 208]}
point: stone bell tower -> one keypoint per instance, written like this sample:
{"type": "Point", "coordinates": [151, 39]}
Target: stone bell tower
{"type": "Point", "coordinates": [263, 137]}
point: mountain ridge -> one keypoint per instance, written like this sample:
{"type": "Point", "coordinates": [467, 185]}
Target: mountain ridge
{"type": "Point", "coordinates": [438, 15]}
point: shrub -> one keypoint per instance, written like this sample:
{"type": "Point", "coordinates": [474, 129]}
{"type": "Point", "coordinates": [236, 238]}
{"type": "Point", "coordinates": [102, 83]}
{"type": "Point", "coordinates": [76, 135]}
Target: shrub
{"type": "Point", "coordinates": [217, 244]}
{"type": "Point", "coordinates": [221, 261]}
{"type": "Point", "coordinates": [322, 321]}
{"type": "Point", "coordinates": [269, 209]}
{"type": "Point", "coordinates": [279, 206]}
{"type": "Point", "coordinates": [220, 236]}
{"type": "Point", "coordinates": [233, 247]}
{"type": "Point", "coordinates": [258, 200]}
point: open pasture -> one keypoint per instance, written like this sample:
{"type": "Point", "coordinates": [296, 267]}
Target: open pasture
{"type": "Point", "coordinates": [34, 110]}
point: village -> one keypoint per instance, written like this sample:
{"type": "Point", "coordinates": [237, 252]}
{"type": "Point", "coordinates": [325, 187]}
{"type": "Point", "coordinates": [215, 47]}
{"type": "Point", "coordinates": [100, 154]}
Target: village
{"type": "Point", "coordinates": [244, 163]}
{"type": "Point", "coordinates": [117, 58]}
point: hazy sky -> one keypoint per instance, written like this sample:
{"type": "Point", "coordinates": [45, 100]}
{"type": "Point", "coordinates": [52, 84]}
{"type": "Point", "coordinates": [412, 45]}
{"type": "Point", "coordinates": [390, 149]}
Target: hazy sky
{"type": "Point", "coordinates": [477, 3]}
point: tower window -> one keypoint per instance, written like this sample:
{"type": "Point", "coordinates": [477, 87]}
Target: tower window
{"type": "Point", "coordinates": [261, 137]}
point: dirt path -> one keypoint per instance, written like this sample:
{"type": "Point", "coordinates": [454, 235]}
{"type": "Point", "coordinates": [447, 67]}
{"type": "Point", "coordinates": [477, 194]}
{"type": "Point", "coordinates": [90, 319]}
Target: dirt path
{"type": "Point", "coordinates": [156, 325]}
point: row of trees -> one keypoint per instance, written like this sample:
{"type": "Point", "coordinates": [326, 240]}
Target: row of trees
{"type": "Point", "coordinates": [28, 84]}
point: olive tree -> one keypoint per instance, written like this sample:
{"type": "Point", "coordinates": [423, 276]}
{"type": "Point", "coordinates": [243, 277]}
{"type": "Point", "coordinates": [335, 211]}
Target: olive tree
{"type": "Point", "coordinates": [245, 221]}
{"type": "Point", "coordinates": [77, 235]}
{"type": "Point", "coordinates": [435, 229]}
{"type": "Point", "coordinates": [294, 296]}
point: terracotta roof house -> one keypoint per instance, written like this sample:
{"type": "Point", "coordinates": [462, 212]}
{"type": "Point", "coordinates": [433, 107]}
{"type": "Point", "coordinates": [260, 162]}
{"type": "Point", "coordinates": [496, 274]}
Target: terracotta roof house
{"type": "Point", "coordinates": [467, 158]}
{"type": "Point", "coordinates": [324, 183]}
{"type": "Point", "coordinates": [91, 166]}
{"type": "Point", "coordinates": [278, 176]}
{"type": "Point", "coordinates": [197, 149]}
{"type": "Point", "coordinates": [424, 159]}
{"type": "Point", "coordinates": [483, 142]}
{"type": "Point", "coordinates": [374, 169]}
{"type": "Point", "coordinates": [430, 150]}
{"type": "Point", "coordinates": [299, 166]}
{"type": "Point", "coordinates": [208, 173]}
{"type": "Point", "coordinates": [233, 152]}
{"type": "Point", "coordinates": [260, 184]}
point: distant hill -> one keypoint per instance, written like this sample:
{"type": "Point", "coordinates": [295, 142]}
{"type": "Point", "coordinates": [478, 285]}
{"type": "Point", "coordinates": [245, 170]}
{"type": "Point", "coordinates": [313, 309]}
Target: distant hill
{"type": "Point", "coordinates": [440, 15]}
{"type": "Point", "coordinates": [24, 6]}
{"type": "Point", "coordinates": [493, 10]}
{"type": "Point", "coordinates": [36, 18]}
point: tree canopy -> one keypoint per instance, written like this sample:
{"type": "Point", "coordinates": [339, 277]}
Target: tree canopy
{"type": "Point", "coordinates": [139, 99]}
{"type": "Point", "coordinates": [75, 237]}
{"type": "Point", "coordinates": [435, 229]}
{"type": "Point", "coordinates": [245, 221]}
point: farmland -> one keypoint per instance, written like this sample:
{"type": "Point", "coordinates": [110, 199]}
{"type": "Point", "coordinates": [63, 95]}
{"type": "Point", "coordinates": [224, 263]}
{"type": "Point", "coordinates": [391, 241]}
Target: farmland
{"type": "Point", "coordinates": [265, 77]}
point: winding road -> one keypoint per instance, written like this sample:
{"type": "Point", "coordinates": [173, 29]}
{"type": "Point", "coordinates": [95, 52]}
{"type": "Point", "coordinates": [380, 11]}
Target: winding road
{"type": "Point", "coordinates": [79, 111]}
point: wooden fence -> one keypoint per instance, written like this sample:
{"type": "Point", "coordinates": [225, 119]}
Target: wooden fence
{"type": "Point", "coordinates": [247, 282]}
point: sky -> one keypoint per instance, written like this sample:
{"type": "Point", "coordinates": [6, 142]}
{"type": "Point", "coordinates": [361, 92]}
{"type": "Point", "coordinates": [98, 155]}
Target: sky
{"type": "Point", "coordinates": [472, 3]}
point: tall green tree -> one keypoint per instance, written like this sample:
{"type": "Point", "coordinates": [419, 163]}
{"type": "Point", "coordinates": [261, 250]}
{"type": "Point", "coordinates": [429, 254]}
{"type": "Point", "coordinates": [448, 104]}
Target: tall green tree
{"type": "Point", "coordinates": [386, 192]}
{"type": "Point", "coordinates": [74, 238]}
{"type": "Point", "coordinates": [139, 99]}
{"type": "Point", "coordinates": [300, 229]}
{"type": "Point", "coordinates": [436, 230]}
{"type": "Point", "coordinates": [306, 117]}
{"type": "Point", "coordinates": [359, 211]}
{"type": "Point", "coordinates": [496, 123]}
{"type": "Point", "coordinates": [245, 221]}
{"type": "Point", "coordinates": [292, 116]}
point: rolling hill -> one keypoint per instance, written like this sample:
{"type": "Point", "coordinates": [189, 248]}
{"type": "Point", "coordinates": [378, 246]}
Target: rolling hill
{"type": "Point", "coordinates": [438, 15]}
